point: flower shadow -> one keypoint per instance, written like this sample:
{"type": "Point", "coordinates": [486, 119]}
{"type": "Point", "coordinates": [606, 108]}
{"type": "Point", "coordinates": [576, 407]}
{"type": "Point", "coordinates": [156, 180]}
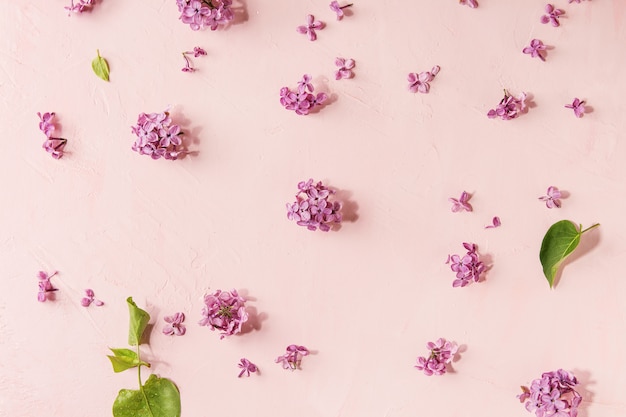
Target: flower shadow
{"type": "Point", "coordinates": [240, 12]}
{"type": "Point", "coordinates": [191, 134]}
{"type": "Point", "coordinates": [255, 319]}
{"type": "Point", "coordinates": [588, 242]}
{"type": "Point", "coordinates": [487, 260]}
{"type": "Point", "coordinates": [322, 87]}
{"type": "Point", "coordinates": [584, 380]}
{"type": "Point", "coordinates": [457, 356]}
{"type": "Point", "coordinates": [349, 208]}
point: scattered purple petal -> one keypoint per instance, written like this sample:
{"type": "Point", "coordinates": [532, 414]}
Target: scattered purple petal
{"type": "Point", "coordinates": [175, 325]}
{"type": "Point", "coordinates": [293, 357]}
{"type": "Point", "coordinates": [345, 68]}
{"type": "Point", "coordinates": [335, 7]}
{"type": "Point", "coordinates": [421, 82]}
{"type": "Point", "coordinates": [471, 3]}
{"type": "Point", "coordinates": [462, 204]}
{"type": "Point", "coordinates": [510, 107]}
{"type": "Point", "coordinates": [302, 101]}
{"type": "Point", "coordinates": [495, 223]}
{"type": "Point", "coordinates": [312, 209]}
{"type": "Point", "coordinates": [224, 311]}
{"type": "Point", "coordinates": [441, 354]}
{"type": "Point", "coordinates": [578, 106]}
{"type": "Point", "coordinates": [311, 26]}
{"type": "Point", "coordinates": [536, 49]}
{"type": "Point", "coordinates": [552, 15]}
{"type": "Point", "coordinates": [468, 268]}
{"type": "Point", "coordinates": [45, 286]}
{"type": "Point", "coordinates": [90, 298]}
{"type": "Point", "coordinates": [246, 367]}
{"type": "Point", "coordinates": [552, 197]}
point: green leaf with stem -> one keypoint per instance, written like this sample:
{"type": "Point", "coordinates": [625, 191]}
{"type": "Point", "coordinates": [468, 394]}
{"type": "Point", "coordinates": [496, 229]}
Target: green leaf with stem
{"type": "Point", "coordinates": [124, 359]}
{"type": "Point", "coordinates": [159, 397]}
{"type": "Point", "coordinates": [138, 321]}
{"type": "Point", "coordinates": [559, 242]}
{"type": "Point", "coordinates": [100, 67]}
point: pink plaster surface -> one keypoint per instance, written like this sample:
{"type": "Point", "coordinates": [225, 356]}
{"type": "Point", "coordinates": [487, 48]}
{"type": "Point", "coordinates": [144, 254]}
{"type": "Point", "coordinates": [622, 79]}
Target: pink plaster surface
{"type": "Point", "coordinates": [365, 299]}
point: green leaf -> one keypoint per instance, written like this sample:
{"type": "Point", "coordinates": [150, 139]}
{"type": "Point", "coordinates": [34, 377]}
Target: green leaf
{"type": "Point", "coordinates": [138, 321]}
{"type": "Point", "coordinates": [100, 67]}
{"type": "Point", "coordinates": [159, 397]}
{"type": "Point", "coordinates": [124, 359]}
{"type": "Point", "coordinates": [559, 242]}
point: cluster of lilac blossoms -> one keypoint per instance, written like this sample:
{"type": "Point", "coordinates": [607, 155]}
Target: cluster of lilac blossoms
{"type": "Point", "coordinates": [303, 100]}
{"type": "Point", "coordinates": [468, 268]}
{"type": "Point", "coordinates": [199, 14]}
{"type": "Point", "coordinates": [552, 395]}
{"type": "Point", "coordinates": [441, 353]}
{"type": "Point", "coordinates": [54, 146]}
{"type": "Point", "coordinates": [80, 6]}
{"type": "Point", "coordinates": [312, 208]}
{"type": "Point", "coordinates": [45, 286]}
{"type": "Point", "coordinates": [157, 136]}
{"type": "Point", "coordinates": [224, 311]}
{"type": "Point", "coordinates": [292, 357]}
{"type": "Point", "coordinates": [509, 108]}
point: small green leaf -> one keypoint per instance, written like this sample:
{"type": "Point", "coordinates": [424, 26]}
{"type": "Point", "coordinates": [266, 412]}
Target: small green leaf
{"type": "Point", "coordinates": [559, 242]}
{"type": "Point", "coordinates": [138, 321]}
{"type": "Point", "coordinates": [123, 359]}
{"type": "Point", "coordinates": [159, 397]}
{"type": "Point", "coordinates": [100, 67]}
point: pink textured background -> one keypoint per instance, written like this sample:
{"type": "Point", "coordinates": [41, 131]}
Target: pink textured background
{"type": "Point", "coordinates": [366, 299]}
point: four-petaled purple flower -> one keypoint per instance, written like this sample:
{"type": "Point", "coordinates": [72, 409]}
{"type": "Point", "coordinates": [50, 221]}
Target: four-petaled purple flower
{"type": "Point", "coordinates": [199, 14]}
{"type": "Point", "coordinates": [552, 16]}
{"type": "Point", "coordinates": [535, 50]}
{"type": "Point", "coordinates": [80, 6]}
{"type": "Point", "coordinates": [45, 286]}
{"type": "Point", "coordinates": [420, 82]}
{"type": "Point", "coordinates": [471, 3]}
{"type": "Point", "coordinates": [345, 68]}
{"type": "Point", "coordinates": [54, 146]}
{"type": "Point", "coordinates": [468, 268]}
{"type": "Point", "coordinates": [175, 325]}
{"type": "Point", "coordinates": [246, 367]}
{"type": "Point", "coordinates": [335, 7]}
{"type": "Point", "coordinates": [312, 208]}
{"type": "Point", "coordinates": [552, 197]}
{"type": "Point", "coordinates": [552, 395]}
{"type": "Point", "coordinates": [441, 353]}
{"type": "Point", "coordinates": [224, 311]}
{"type": "Point", "coordinates": [90, 298]}
{"type": "Point", "coordinates": [310, 27]}
{"type": "Point", "coordinates": [509, 108]}
{"type": "Point", "coordinates": [303, 101]}
{"type": "Point", "coordinates": [462, 203]}
{"type": "Point", "coordinates": [495, 223]}
{"type": "Point", "coordinates": [293, 357]}
{"type": "Point", "coordinates": [578, 106]}
{"type": "Point", "coordinates": [157, 136]}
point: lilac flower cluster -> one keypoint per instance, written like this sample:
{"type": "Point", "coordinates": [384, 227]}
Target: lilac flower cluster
{"type": "Point", "coordinates": [90, 298]}
{"type": "Point", "coordinates": [292, 357]}
{"type": "Point", "coordinates": [197, 51]}
{"type": "Point", "coordinates": [302, 101]}
{"type": "Point", "coordinates": [45, 286]}
{"type": "Point", "coordinates": [54, 146]}
{"type": "Point", "coordinates": [471, 3]}
{"type": "Point", "coordinates": [420, 82]}
{"type": "Point", "coordinates": [509, 108]}
{"type": "Point", "coordinates": [552, 198]}
{"type": "Point", "coordinates": [552, 395]}
{"type": "Point", "coordinates": [312, 208]}
{"type": "Point", "coordinates": [224, 311]}
{"type": "Point", "coordinates": [80, 6]}
{"type": "Point", "coordinates": [157, 136]}
{"type": "Point", "coordinates": [468, 268]}
{"type": "Point", "coordinates": [199, 14]}
{"type": "Point", "coordinates": [246, 367]}
{"type": "Point", "coordinates": [441, 353]}
{"type": "Point", "coordinates": [175, 325]}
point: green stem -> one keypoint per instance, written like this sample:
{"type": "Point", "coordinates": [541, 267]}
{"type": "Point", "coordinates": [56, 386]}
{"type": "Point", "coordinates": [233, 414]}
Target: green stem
{"type": "Point", "coordinates": [145, 397]}
{"type": "Point", "coordinates": [589, 228]}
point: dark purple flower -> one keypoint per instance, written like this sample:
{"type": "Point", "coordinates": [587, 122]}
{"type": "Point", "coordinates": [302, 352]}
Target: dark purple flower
{"type": "Point", "coordinates": [552, 15]}
{"type": "Point", "coordinates": [509, 108]}
{"type": "Point", "coordinates": [293, 357]}
{"type": "Point", "coordinates": [578, 106]}
{"type": "Point", "coordinates": [45, 286]}
{"type": "Point", "coordinates": [441, 353]}
{"type": "Point", "coordinates": [90, 298]}
{"type": "Point", "coordinates": [345, 68]}
{"type": "Point", "coordinates": [495, 223]}
{"type": "Point", "coordinates": [552, 197]}
{"type": "Point", "coordinates": [224, 311]}
{"type": "Point", "coordinates": [312, 208]}
{"type": "Point", "coordinates": [310, 27]}
{"type": "Point", "coordinates": [175, 325]}
{"type": "Point", "coordinates": [471, 3]}
{"type": "Point", "coordinates": [536, 49]}
{"type": "Point", "coordinates": [246, 367]}
{"type": "Point", "coordinates": [197, 51]}
{"type": "Point", "coordinates": [420, 82]}
{"type": "Point", "coordinates": [334, 6]}
{"type": "Point", "coordinates": [462, 203]}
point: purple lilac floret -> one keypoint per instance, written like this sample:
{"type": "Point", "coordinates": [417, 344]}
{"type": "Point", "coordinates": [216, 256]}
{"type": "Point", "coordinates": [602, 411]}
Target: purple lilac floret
{"type": "Point", "coordinates": [312, 207]}
{"type": "Point", "coordinates": [441, 354]}
{"type": "Point", "coordinates": [197, 51]}
{"type": "Point", "coordinates": [495, 222]}
{"type": "Point", "coordinates": [157, 136]}
{"type": "Point", "coordinates": [175, 324]}
{"type": "Point", "coordinates": [335, 7]}
{"type": "Point", "coordinates": [302, 101]}
{"type": "Point", "coordinates": [90, 298]}
{"type": "Point", "coordinates": [510, 107]}
{"type": "Point", "coordinates": [45, 286]}
{"type": "Point", "coordinates": [535, 49]}
{"type": "Point", "coordinates": [552, 197]}
{"type": "Point", "coordinates": [468, 267]}
{"type": "Point", "coordinates": [552, 15]}
{"type": "Point", "coordinates": [578, 106]}
{"type": "Point", "coordinates": [420, 82]}
{"type": "Point", "coordinates": [54, 146]}
{"type": "Point", "coordinates": [345, 68]}
{"type": "Point", "coordinates": [311, 26]}
{"type": "Point", "coordinates": [224, 311]}
{"type": "Point", "coordinates": [292, 357]}
{"type": "Point", "coordinates": [462, 204]}
{"type": "Point", "coordinates": [200, 14]}
{"type": "Point", "coordinates": [552, 395]}
{"type": "Point", "coordinates": [80, 6]}
{"type": "Point", "coordinates": [246, 367]}
{"type": "Point", "coordinates": [471, 3]}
